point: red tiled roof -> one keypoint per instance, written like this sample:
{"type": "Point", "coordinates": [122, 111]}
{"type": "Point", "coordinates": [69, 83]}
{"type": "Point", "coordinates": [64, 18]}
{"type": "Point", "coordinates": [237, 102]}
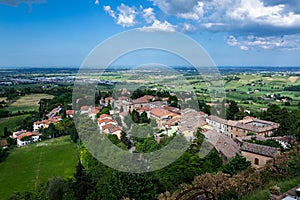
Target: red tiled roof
{"type": "Point", "coordinates": [159, 112]}
{"type": "Point", "coordinates": [28, 134]}
{"type": "Point", "coordinates": [70, 112]}
{"type": "Point", "coordinates": [144, 99]}
{"type": "Point", "coordinates": [100, 121]}
{"type": "Point", "coordinates": [105, 116]}
{"type": "Point", "coordinates": [84, 108]}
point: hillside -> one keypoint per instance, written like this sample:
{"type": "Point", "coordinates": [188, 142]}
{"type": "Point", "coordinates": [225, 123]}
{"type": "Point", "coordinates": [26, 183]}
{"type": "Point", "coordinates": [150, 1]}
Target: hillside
{"type": "Point", "coordinates": [28, 166]}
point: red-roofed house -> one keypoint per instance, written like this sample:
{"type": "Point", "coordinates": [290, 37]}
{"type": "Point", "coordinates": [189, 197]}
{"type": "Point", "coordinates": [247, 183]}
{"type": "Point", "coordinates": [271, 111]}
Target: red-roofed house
{"type": "Point", "coordinates": [112, 129]}
{"type": "Point", "coordinates": [85, 109]}
{"type": "Point", "coordinates": [103, 122]}
{"type": "Point", "coordinates": [70, 113]}
{"type": "Point", "coordinates": [93, 112]}
{"type": "Point", "coordinates": [160, 115]}
{"type": "Point", "coordinates": [27, 138]}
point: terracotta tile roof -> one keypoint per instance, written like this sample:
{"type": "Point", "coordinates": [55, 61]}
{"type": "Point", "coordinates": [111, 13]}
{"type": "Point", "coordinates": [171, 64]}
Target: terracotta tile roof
{"type": "Point", "coordinates": [17, 133]}
{"type": "Point", "coordinates": [260, 149]}
{"type": "Point", "coordinates": [159, 112]}
{"type": "Point", "coordinates": [28, 134]}
{"type": "Point", "coordinates": [94, 111]}
{"type": "Point", "coordinates": [172, 109]}
{"type": "Point", "coordinates": [70, 112]}
{"type": "Point", "coordinates": [173, 122]}
{"type": "Point", "coordinates": [105, 116]}
{"type": "Point", "coordinates": [145, 108]}
{"type": "Point", "coordinates": [100, 121]}
{"type": "Point", "coordinates": [41, 122]}
{"type": "Point", "coordinates": [111, 128]}
{"type": "Point", "coordinates": [84, 108]}
{"type": "Point", "coordinates": [143, 99]}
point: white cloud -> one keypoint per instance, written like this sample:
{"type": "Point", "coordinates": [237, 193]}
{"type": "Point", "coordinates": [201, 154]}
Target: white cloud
{"type": "Point", "coordinates": [160, 26]}
{"type": "Point", "coordinates": [287, 42]}
{"type": "Point", "coordinates": [97, 2]}
{"type": "Point", "coordinates": [148, 15]}
{"type": "Point", "coordinates": [110, 11]}
{"type": "Point", "coordinates": [196, 13]}
{"type": "Point", "coordinates": [126, 15]}
{"type": "Point", "coordinates": [187, 27]}
{"type": "Point", "coordinates": [256, 12]}
{"type": "Point", "coordinates": [265, 20]}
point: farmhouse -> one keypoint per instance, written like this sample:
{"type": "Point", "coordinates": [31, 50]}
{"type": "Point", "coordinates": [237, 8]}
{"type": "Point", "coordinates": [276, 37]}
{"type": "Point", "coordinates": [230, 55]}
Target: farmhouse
{"type": "Point", "coordinates": [259, 155]}
{"type": "Point", "coordinates": [27, 138]}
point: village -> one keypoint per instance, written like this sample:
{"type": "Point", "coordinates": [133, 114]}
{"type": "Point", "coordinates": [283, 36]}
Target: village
{"type": "Point", "coordinates": [228, 137]}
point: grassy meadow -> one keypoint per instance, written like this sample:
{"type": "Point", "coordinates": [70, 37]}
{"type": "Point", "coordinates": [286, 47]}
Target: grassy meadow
{"type": "Point", "coordinates": [27, 103]}
{"type": "Point", "coordinates": [28, 166]}
{"type": "Point", "coordinates": [11, 122]}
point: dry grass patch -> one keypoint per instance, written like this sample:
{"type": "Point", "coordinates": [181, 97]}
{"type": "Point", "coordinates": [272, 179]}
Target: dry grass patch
{"type": "Point", "coordinates": [31, 100]}
{"type": "Point", "coordinates": [293, 79]}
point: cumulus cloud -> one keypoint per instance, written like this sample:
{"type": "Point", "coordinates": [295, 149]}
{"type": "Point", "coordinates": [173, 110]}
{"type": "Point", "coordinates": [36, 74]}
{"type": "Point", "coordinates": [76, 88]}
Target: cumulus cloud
{"type": "Point", "coordinates": [192, 9]}
{"type": "Point", "coordinates": [148, 15]}
{"type": "Point", "coordinates": [160, 26]}
{"type": "Point", "coordinates": [110, 11]}
{"type": "Point", "coordinates": [253, 23]}
{"type": "Point", "coordinates": [126, 15]}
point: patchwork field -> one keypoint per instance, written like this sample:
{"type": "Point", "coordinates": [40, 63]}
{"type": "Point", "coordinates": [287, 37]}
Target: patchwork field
{"type": "Point", "coordinates": [28, 103]}
{"type": "Point", "coordinates": [28, 166]}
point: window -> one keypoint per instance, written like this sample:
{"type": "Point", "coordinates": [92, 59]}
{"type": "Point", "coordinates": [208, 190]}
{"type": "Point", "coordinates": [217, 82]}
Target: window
{"type": "Point", "coordinates": [256, 161]}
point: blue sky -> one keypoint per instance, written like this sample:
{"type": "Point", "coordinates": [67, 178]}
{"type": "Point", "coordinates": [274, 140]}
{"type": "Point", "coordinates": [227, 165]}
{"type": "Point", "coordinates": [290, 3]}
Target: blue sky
{"type": "Point", "coordinates": [234, 32]}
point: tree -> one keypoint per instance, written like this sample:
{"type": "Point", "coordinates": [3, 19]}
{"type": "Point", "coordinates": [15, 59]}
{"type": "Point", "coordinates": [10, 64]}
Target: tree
{"type": "Point", "coordinates": [59, 189]}
{"type": "Point", "coordinates": [173, 101]}
{"type": "Point", "coordinates": [135, 116]}
{"type": "Point", "coordinates": [125, 140]}
{"type": "Point", "coordinates": [82, 185]}
{"type": "Point", "coordinates": [6, 132]}
{"type": "Point", "coordinates": [144, 118]}
{"type": "Point", "coordinates": [236, 164]}
{"type": "Point", "coordinates": [232, 110]}
{"type": "Point", "coordinates": [113, 138]}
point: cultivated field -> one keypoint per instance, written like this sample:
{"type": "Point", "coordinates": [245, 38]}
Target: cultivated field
{"type": "Point", "coordinates": [11, 123]}
{"type": "Point", "coordinates": [28, 166]}
{"type": "Point", "coordinates": [28, 102]}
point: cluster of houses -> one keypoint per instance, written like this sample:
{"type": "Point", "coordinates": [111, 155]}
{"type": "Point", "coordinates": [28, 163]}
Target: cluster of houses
{"type": "Point", "coordinates": [24, 137]}
{"type": "Point", "coordinates": [229, 137]}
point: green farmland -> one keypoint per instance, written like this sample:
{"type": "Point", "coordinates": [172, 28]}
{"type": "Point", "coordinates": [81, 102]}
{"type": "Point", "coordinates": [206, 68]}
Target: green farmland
{"type": "Point", "coordinates": [28, 166]}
